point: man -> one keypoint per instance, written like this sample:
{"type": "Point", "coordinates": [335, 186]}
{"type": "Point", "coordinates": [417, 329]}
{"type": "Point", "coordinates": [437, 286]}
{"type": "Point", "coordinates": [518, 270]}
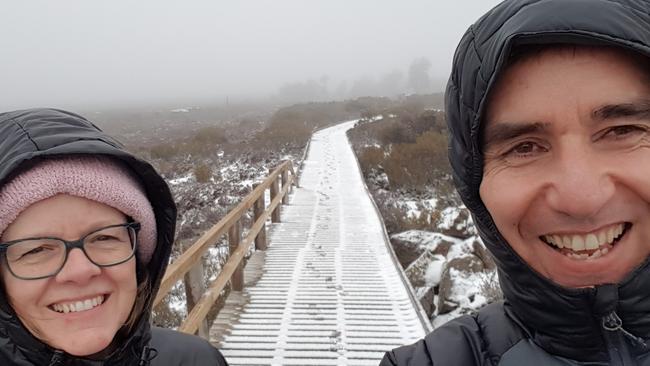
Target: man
{"type": "Point", "coordinates": [548, 107]}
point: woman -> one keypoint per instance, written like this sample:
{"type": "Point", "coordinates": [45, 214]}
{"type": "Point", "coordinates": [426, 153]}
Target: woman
{"type": "Point", "coordinates": [86, 231]}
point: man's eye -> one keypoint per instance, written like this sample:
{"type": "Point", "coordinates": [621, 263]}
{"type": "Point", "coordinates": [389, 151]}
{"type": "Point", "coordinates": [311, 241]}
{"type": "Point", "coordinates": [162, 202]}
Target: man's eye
{"type": "Point", "coordinates": [621, 132]}
{"type": "Point", "coordinates": [525, 149]}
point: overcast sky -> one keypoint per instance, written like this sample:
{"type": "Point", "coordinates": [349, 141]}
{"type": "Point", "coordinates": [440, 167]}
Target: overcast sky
{"type": "Point", "coordinates": [68, 53]}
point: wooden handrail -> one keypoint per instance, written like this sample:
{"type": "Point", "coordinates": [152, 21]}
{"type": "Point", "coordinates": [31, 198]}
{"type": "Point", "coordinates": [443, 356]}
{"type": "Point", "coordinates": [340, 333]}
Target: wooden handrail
{"type": "Point", "coordinates": [192, 256]}
{"type": "Point", "coordinates": [194, 318]}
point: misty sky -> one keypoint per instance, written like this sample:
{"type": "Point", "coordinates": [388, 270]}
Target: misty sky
{"type": "Point", "coordinates": [71, 53]}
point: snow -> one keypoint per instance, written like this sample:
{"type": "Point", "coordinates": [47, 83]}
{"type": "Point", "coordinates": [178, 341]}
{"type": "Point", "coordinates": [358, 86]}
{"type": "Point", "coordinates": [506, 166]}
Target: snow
{"type": "Point", "coordinates": [415, 235]}
{"type": "Point", "coordinates": [433, 273]}
{"type": "Point", "coordinates": [412, 210]}
{"type": "Point", "coordinates": [180, 180]}
{"type": "Point", "coordinates": [461, 249]}
{"type": "Point", "coordinates": [247, 183]}
{"type": "Point", "coordinates": [467, 292]}
{"type": "Point", "coordinates": [448, 216]}
{"type": "Point", "coordinates": [180, 110]}
{"type": "Point", "coordinates": [426, 239]}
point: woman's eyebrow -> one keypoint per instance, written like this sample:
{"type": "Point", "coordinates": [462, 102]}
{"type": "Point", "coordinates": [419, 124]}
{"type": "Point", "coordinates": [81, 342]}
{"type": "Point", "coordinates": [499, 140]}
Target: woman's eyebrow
{"type": "Point", "coordinates": [637, 110]}
{"type": "Point", "coordinates": [500, 132]}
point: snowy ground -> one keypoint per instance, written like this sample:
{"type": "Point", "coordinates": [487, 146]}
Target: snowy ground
{"type": "Point", "coordinates": [435, 240]}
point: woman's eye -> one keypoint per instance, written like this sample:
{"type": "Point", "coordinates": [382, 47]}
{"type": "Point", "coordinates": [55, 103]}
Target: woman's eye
{"type": "Point", "coordinates": [33, 251]}
{"type": "Point", "coordinates": [104, 238]}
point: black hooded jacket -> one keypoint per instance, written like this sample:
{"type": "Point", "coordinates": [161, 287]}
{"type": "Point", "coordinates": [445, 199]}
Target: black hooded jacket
{"type": "Point", "coordinates": [540, 323]}
{"type": "Point", "coordinates": [29, 135]}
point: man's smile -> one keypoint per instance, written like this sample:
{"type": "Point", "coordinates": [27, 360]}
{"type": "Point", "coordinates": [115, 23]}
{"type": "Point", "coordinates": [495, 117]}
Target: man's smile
{"type": "Point", "coordinates": [587, 246]}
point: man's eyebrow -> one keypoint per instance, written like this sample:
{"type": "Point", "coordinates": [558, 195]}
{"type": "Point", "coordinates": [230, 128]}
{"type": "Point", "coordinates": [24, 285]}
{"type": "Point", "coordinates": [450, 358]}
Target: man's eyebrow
{"type": "Point", "coordinates": [640, 109]}
{"type": "Point", "coordinates": [504, 131]}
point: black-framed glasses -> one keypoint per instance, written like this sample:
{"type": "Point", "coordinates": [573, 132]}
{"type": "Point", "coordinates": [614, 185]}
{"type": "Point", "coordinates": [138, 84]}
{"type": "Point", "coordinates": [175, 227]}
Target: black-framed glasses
{"type": "Point", "coordinates": [36, 258]}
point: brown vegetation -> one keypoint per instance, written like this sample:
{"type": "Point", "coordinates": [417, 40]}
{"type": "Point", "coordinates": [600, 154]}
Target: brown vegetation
{"type": "Point", "coordinates": [202, 173]}
{"type": "Point", "coordinates": [405, 151]}
{"type": "Point", "coordinates": [412, 152]}
{"type": "Point", "coordinates": [204, 141]}
{"type": "Point", "coordinates": [294, 125]}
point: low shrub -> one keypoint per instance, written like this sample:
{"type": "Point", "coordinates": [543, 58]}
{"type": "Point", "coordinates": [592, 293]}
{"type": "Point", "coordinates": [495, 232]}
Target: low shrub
{"type": "Point", "coordinates": [419, 164]}
{"type": "Point", "coordinates": [202, 173]}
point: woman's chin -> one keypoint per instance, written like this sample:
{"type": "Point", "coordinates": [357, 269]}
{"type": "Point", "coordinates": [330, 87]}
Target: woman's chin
{"type": "Point", "coordinates": [83, 345]}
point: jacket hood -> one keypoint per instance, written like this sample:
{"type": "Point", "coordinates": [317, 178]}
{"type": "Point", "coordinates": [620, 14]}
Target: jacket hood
{"type": "Point", "coordinates": [30, 135]}
{"type": "Point", "coordinates": [566, 322]}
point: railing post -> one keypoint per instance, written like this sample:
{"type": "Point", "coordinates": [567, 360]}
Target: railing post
{"type": "Point", "coordinates": [234, 238]}
{"type": "Point", "coordinates": [258, 211]}
{"type": "Point", "coordinates": [285, 180]}
{"type": "Point", "coordinates": [194, 289]}
{"type": "Point", "coordinates": [275, 215]}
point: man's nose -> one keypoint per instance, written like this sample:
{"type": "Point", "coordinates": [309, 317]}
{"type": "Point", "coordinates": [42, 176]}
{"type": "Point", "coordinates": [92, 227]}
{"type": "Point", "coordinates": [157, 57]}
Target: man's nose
{"type": "Point", "coordinates": [580, 183]}
{"type": "Point", "coordinates": [77, 268]}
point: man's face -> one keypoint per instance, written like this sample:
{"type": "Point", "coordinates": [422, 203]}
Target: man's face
{"type": "Point", "coordinates": [567, 164]}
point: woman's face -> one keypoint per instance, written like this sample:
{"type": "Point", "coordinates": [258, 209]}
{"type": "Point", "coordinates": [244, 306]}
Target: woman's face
{"type": "Point", "coordinates": [40, 304]}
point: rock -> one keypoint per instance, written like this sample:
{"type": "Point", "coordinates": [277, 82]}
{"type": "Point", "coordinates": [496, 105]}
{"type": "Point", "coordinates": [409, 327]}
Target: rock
{"type": "Point", "coordinates": [418, 270]}
{"type": "Point", "coordinates": [460, 226]}
{"type": "Point", "coordinates": [484, 255]}
{"type": "Point", "coordinates": [444, 291]}
{"type": "Point", "coordinates": [443, 248]}
{"type": "Point", "coordinates": [428, 302]}
{"type": "Point", "coordinates": [410, 245]}
{"type": "Point", "coordinates": [407, 251]}
{"type": "Point", "coordinates": [468, 263]}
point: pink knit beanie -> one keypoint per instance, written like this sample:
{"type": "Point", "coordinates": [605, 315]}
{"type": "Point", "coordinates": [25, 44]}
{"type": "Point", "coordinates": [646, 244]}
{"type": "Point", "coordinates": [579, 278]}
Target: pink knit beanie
{"type": "Point", "coordinates": [95, 178]}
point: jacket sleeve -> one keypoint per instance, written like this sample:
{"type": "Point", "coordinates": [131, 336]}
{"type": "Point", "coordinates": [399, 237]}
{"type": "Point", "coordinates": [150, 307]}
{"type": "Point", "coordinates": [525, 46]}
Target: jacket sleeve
{"type": "Point", "coordinates": [178, 349]}
{"type": "Point", "coordinates": [457, 343]}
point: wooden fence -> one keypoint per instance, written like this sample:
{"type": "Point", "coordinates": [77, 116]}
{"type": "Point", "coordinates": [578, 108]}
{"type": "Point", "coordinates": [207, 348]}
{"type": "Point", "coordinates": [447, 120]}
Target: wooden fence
{"type": "Point", "coordinates": [279, 183]}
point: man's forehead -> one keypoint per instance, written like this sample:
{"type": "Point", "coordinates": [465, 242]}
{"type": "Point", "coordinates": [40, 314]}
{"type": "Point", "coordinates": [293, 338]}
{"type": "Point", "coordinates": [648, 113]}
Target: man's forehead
{"type": "Point", "coordinates": [540, 53]}
{"type": "Point", "coordinates": [528, 56]}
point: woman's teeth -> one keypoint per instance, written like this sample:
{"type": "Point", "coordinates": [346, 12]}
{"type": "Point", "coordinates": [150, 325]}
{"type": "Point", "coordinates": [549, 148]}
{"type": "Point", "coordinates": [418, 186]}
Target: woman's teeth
{"type": "Point", "coordinates": [77, 306]}
{"type": "Point", "coordinates": [589, 246]}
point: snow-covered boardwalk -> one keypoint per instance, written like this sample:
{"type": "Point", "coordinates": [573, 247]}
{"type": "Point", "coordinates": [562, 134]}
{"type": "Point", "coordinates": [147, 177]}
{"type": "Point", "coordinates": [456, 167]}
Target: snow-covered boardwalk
{"type": "Point", "coordinates": [327, 291]}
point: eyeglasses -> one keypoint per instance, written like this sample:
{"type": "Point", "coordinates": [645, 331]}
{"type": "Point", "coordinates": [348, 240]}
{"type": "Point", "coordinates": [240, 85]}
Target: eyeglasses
{"type": "Point", "coordinates": [36, 258]}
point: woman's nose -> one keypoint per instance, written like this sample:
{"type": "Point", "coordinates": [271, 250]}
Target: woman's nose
{"type": "Point", "coordinates": [77, 268]}
{"type": "Point", "coordinates": [581, 183]}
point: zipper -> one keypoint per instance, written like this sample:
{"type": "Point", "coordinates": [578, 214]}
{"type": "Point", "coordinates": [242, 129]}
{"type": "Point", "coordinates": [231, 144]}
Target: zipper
{"type": "Point", "coordinates": [617, 347]}
{"type": "Point", "coordinates": [57, 358]}
{"type": "Point", "coordinates": [148, 354]}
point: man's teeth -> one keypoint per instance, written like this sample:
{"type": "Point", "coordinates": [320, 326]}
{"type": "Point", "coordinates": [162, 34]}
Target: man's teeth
{"type": "Point", "coordinates": [598, 241]}
{"type": "Point", "coordinates": [76, 306]}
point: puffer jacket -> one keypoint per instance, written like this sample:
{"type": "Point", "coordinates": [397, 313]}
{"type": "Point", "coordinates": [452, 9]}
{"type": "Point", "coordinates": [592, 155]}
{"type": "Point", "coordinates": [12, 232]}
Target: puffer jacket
{"type": "Point", "coordinates": [540, 323]}
{"type": "Point", "coordinates": [29, 135]}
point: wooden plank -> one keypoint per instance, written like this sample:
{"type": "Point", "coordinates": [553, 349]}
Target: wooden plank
{"type": "Point", "coordinates": [258, 211]}
{"type": "Point", "coordinates": [275, 216]}
{"type": "Point", "coordinates": [194, 288]}
{"type": "Point", "coordinates": [234, 238]}
{"type": "Point", "coordinates": [285, 180]}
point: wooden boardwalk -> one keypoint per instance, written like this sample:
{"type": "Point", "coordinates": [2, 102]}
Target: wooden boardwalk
{"type": "Point", "coordinates": [328, 290]}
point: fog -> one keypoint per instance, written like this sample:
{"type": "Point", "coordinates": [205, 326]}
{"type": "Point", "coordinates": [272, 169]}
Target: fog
{"type": "Point", "coordinates": [81, 53]}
